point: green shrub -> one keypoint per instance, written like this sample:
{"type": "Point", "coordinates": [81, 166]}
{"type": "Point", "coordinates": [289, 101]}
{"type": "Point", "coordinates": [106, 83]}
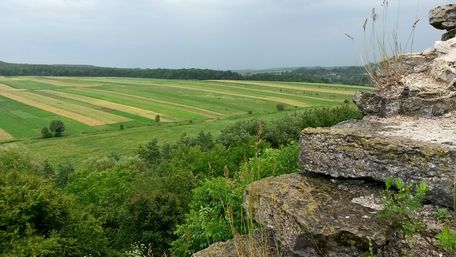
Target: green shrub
{"type": "Point", "coordinates": [443, 214]}
{"type": "Point", "coordinates": [280, 107]}
{"type": "Point", "coordinates": [447, 240]}
{"type": "Point", "coordinates": [45, 133]}
{"type": "Point", "coordinates": [402, 207]}
{"type": "Point", "coordinates": [207, 221]}
{"type": "Point", "coordinates": [57, 127]}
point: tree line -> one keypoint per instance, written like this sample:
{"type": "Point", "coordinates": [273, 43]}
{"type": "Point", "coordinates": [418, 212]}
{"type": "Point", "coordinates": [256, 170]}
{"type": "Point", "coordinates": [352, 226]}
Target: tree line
{"type": "Point", "coordinates": [354, 75]}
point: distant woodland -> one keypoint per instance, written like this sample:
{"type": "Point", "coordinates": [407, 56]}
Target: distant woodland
{"type": "Point", "coordinates": [354, 75]}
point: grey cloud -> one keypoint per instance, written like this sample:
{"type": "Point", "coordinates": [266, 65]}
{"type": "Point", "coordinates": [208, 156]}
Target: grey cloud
{"type": "Point", "coordinates": [218, 34]}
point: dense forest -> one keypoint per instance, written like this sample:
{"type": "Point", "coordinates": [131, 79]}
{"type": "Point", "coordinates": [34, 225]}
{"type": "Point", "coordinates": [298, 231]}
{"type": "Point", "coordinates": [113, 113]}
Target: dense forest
{"type": "Point", "coordinates": [344, 75]}
{"type": "Point", "coordinates": [164, 200]}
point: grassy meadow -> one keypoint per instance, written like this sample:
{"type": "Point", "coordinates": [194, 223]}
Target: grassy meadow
{"type": "Point", "coordinates": [93, 109]}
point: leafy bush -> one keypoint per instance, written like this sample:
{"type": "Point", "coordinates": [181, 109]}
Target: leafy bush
{"type": "Point", "coordinates": [447, 240]}
{"type": "Point", "coordinates": [57, 127]}
{"type": "Point", "coordinates": [272, 162]}
{"type": "Point", "coordinates": [443, 214]}
{"type": "Point", "coordinates": [280, 107]}
{"type": "Point", "coordinates": [39, 220]}
{"type": "Point", "coordinates": [45, 133]}
{"type": "Point", "coordinates": [150, 153]}
{"type": "Point", "coordinates": [402, 207]}
{"type": "Point", "coordinates": [207, 221]}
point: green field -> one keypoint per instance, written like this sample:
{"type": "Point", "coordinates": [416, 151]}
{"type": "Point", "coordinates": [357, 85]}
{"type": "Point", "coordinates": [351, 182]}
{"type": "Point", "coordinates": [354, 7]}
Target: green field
{"type": "Point", "coordinates": [94, 108]}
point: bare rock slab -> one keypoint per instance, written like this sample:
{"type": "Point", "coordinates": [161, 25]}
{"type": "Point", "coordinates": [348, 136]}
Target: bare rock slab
{"type": "Point", "coordinates": [414, 149]}
{"type": "Point", "coordinates": [311, 216]}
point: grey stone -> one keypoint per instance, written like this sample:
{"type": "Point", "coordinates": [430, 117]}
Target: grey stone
{"type": "Point", "coordinates": [311, 216]}
{"type": "Point", "coordinates": [443, 17]}
{"type": "Point", "coordinates": [407, 104]}
{"type": "Point", "coordinates": [366, 149]}
{"type": "Point", "coordinates": [449, 35]}
{"type": "Point", "coordinates": [414, 84]}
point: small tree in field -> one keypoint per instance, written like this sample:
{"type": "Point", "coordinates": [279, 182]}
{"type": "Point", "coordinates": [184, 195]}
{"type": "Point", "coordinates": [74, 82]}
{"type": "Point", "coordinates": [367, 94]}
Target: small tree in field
{"type": "Point", "coordinates": [45, 133]}
{"type": "Point", "coordinates": [157, 118]}
{"type": "Point", "coordinates": [57, 127]}
{"type": "Point", "coordinates": [280, 107]}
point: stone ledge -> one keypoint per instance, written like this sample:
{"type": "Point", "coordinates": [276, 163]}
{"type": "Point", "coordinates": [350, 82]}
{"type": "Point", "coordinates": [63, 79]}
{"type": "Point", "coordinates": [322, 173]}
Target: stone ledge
{"type": "Point", "coordinates": [381, 149]}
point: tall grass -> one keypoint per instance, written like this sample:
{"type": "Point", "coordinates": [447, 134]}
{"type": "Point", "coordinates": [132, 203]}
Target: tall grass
{"type": "Point", "coordinates": [384, 52]}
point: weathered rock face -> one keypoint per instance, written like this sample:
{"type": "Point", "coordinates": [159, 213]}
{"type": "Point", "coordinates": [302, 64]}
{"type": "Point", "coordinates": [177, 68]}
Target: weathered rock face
{"type": "Point", "coordinates": [443, 17]}
{"type": "Point", "coordinates": [426, 85]}
{"type": "Point", "coordinates": [386, 148]}
{"type": "Point", "coordinates": [314, 217]}
{"type": "Point", "coordinates": [449, 35]}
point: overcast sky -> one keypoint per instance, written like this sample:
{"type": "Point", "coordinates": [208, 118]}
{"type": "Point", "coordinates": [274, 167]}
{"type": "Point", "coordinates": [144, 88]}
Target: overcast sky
{"type": "Point", "coordinates": [218, 34]}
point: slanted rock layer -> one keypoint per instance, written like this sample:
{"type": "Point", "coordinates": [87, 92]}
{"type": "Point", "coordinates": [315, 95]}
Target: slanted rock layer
{"type": "Point", "coordinates": [408, 132]}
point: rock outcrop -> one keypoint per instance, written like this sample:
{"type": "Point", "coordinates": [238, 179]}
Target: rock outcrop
{"type": "Point", "coordinates": [408, 132]}
{"type": "Point", "coordinates": [315, 216]}
{"type": "Point", "coordinates": [426, 85]}
{"type": "Point", "coordinates": [415, 150]}
{"type": "Point", "coordinates": [444, 18]}
{"type": "Point", "coordinates": [312, 216]}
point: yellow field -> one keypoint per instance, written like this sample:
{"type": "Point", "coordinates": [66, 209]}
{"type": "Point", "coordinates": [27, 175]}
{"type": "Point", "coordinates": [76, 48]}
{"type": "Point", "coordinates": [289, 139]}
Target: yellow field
{"type": "Point", "coordinates": [4, 136]}
{"type": "Point", "coordinates": [6, 87]}
{"type": "Point", "coordinates": [110, 105]}
{"type": "Point", "coordinates": [86, 115]}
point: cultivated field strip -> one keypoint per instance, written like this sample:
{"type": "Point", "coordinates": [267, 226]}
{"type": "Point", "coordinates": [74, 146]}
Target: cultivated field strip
{"type": "Point", "coordinates": [4, 136]}
{"type": "Point", "coordinates": [262, 91]}
{"type": "Point", "coordinates": [189, 108]}
{"type": "Point", "coordinates": [106, 104]}
{"type": "Point", "coordinates": [64, 113]}
{"type": "Point", "coordinates": [64, 83]}
{"type": "Point", "coordinates": [241, 95]}
{"type": "Point", "coordinates": [83, 114]}
{"type": "Point", "coordinates": [231, 93]}
{"type": "Point", "coordinates": [297, 87]}
{"type": "Point", "coordinates": [257, 89]}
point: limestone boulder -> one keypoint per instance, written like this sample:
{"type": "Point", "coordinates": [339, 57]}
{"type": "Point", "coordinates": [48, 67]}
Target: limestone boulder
{"type": "Point", "coordinates": [443, 17]}
{"type": "Point", "coordinates": [414, 149]}
{"type": "Point", "coordinates": [449, 35]}
{"type": "Point", "coordinates": [414, 84]}
{"type": "Point", "coordinates": [312, 216]}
